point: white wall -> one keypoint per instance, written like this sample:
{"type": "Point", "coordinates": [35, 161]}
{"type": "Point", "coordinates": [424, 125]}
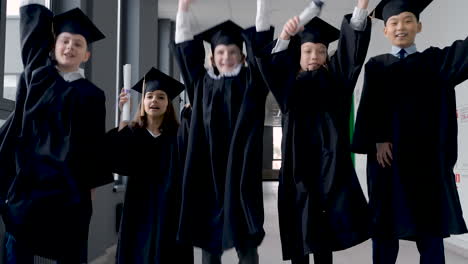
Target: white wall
{"type": "Point", "coordinates": [443, 22]}
{"type": "Point", "coordinates": [13, 62]}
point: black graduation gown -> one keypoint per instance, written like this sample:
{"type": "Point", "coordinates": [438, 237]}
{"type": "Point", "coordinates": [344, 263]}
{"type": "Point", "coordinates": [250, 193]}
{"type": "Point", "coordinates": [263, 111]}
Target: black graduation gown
{"type": "Point", "coordinates": [222, 203]}
{"type": "Point", "coordinates": [411, 103]}
{"type": "Point", "coordinates": [183, 132]}
{"type": "Point", "coordinates": [320, 202]}
{"type": "Point", "coordinates": [51, 149]}
{"type": "Point", "coordinates": [150, 213]}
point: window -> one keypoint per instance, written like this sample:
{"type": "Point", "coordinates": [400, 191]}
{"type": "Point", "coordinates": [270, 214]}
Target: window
{"type": "Point", "coordinates": [9, 86]}
{"type": "Point", "coordinates": [277, 136]}
{"type": "Point", "coordinates": [12, 8]}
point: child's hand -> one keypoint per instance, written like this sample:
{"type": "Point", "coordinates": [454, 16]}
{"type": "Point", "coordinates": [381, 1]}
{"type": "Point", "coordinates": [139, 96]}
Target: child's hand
{"type": "Point", "coordinates": [123, 124]}
{"type": "Point", "coordinates": [362, 4]}
{"type": "Point", "coordinates": [123, 98]}
{"type": "Point", "coordinates": [291, 28]}
{"type": "Point", "coordinates": [184, 5]}
{"type": "Point", "coordinates": [93, 193]}
{"type": "Point", "coordinates": [384, 154]}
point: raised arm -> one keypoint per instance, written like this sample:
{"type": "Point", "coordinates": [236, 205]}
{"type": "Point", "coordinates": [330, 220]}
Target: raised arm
{"type": "Point", "coordinates": [359, 18]}
{"type": "Point", "coordinates": [120, 144]}
{"type": "Point", "coordinates": [35, 34]}
{"type": "Point", "coordinates": [89, 119]}
{"type": "Point", "coordinates": [372, 120]}
{"type": "Point", "coordinates": [352, 48]}
{"type": "Point", "coordinates": [258, 37]}
{"type": "Point", "coordinates": [453, 61]}
{"type": "Point", "coordinates": [262, 19]}
{"type": "Point", "coordinates": [296, 24]}
{"type": "Point", "coordinates": [189, 52]}
{"type": "Point", "coordinates": [279, 68]}
{"type": "Point", "coordinates": [183, 30]}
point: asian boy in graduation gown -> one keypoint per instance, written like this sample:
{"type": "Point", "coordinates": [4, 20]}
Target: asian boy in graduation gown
{"type": "Point", "coordinates": [151, 208]}
{"type": "Point", "coordinates": [222, 202]}
{"type": "Point", "coordinates": [51, 146]}
{"type": "Point", "coordinates": [408, 113]}
{"type": "Point", "coordinates": [321, 205]}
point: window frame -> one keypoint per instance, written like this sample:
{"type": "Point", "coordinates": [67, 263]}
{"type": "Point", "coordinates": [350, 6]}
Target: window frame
{"type": "Point", "coordinates": [6, 106]}
{"type": "Point", "coordinates": [279, 141]}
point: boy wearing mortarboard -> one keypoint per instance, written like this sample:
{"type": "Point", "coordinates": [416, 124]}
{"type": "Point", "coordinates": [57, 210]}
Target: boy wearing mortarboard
{"type": "Point", "coordinates": [406, 124]}
{"type": "Point", "coordinates": [51, 151]}
{"type": "Point", "coordinates": [222, 203]}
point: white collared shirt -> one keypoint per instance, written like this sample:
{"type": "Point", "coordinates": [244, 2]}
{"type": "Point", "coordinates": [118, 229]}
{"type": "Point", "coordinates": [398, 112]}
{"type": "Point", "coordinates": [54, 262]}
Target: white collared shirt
{"type": "Point", "coordinates": [184, 32]}
{"type": "Point", "coordinates": [410, 50]}
{"type": "Point", "coordinates": [233, 73]}
{"type": "Point", "coordinates": [152, 134]}
{"type": "Point", "coordinates": [72, 76]}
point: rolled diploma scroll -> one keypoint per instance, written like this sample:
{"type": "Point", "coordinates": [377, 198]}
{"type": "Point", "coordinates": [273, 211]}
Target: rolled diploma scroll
{"type": "Point", "coordinates": [127, 71]}
{"type": "Point", "coordinates": [311, 11]}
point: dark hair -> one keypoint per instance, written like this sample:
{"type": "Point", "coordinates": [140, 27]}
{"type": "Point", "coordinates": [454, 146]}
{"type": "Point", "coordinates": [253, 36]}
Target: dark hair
{"type": "Point", "coordinates": [415, 15]}
{"type": "Point", "coordinates": [169, 124]}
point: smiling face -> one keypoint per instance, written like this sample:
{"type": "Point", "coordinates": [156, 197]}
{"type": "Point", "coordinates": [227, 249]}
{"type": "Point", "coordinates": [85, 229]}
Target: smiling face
{"type": "Point", "coordinates": [401, 29]}
{"type": "Point", "coordinates": [313, 56]}
{"type": "Point", "coordinates": [227, 57]}
{"type": "Point", "coordinates": [155, 103]}
{"type": "Point", "coordinates": [70, 51]}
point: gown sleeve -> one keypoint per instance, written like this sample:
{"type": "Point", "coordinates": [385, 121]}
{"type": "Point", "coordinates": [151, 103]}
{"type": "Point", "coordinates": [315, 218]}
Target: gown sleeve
{"type": "Point", "coordinates": [351, 53]}
{"type": "Point", "coordinates": [91, 117]}
{"type": "Point", "coordinates": [36, 41]}
{"type": "Point", "coordinates": [453, 61]}
{"type": "Point", "coordinates": [121, 152]}
{"type": "Point", "coordinates": [35, 36]}
{"type": "Point", "coordinates": [183, 132]}
{"type": "Point", "coordinates": [370, 124]}
{"type": "Point", "coordinates": [190, 56]}
{"type": "Point", "coordinates": [279, 70]}
{"type": "Point", "coordinates": [7, 168]}
{"type": "Point", "coordinates": [256, 43]}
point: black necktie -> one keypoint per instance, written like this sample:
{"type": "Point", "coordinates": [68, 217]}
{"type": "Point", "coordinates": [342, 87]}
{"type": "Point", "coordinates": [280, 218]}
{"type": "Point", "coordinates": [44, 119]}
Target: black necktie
{"type": "Point", "coordinates": [401, 54]}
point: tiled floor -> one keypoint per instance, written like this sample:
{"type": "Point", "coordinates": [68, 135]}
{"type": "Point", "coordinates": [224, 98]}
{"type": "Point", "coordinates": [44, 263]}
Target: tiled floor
{"type": "Point", "coordinates": [270, 250]}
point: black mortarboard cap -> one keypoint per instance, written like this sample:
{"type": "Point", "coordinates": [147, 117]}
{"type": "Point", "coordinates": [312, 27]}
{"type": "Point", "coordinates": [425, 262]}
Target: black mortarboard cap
{"type": "Point", "coordinates": [155, 79]}
{"type": "Point", "coordinates": [76, 22]}
{"type": "Point", "coordinates": [225, 33]}
{"type": "Point", "coordinates": [388, 8]}
{"type": "Point", "coordinates": [319, 31]}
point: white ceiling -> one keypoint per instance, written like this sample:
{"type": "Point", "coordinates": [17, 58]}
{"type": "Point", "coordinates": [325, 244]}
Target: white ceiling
{"type": "Point", "coordinates": [211, 12]}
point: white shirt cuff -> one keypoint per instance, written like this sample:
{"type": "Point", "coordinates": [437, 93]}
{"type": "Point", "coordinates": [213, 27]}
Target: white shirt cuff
{"type": "Point", "coordinates": [29, 2]}
{"type": "Point", "coordinates": [281, 44]}
{"type": "Point", "coordinates": [183, 30]}
{"type": "Point", "coordinates": [262, 20]}
{"type": "Point", "coordinates": [359, 19]}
